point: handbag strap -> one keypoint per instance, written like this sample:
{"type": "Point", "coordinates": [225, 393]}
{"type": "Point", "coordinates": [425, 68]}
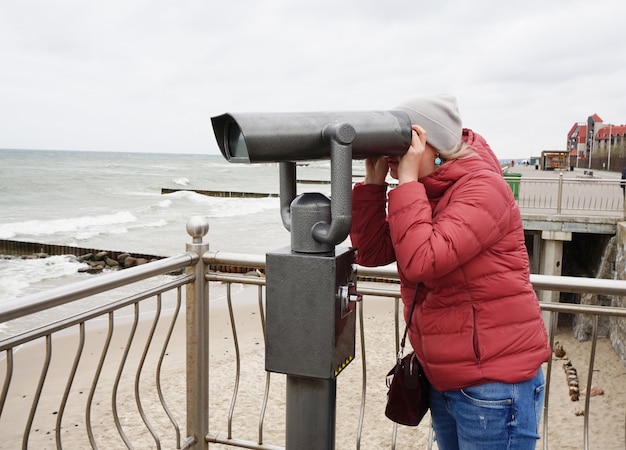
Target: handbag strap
{"type": "Point", "coordinates": [408, 323]}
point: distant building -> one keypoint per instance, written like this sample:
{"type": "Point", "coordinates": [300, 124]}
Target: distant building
{"type": "Point", "coordinates": [610, 136]}
{"type": "Point", "coordinates": [586, 139]}
{"type": "Point", "coordinates": [555, 159]}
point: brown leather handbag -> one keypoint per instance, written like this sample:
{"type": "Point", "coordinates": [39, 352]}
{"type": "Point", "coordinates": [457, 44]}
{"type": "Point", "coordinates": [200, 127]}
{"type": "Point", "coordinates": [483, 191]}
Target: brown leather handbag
{"type": "Point", "coordinates": [407, 397]}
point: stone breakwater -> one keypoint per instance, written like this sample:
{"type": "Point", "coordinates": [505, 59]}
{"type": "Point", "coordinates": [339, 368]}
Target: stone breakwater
{"type": "Point", "coordinates": [96, 263]}
{"type": "Point", "coordinates": [96, 260]}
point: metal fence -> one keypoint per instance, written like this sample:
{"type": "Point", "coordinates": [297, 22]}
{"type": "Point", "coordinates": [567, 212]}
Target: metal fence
{"type": "Point", "coordinates": [80, 382]}
{"type": "Point", "coordinates": [575, 195]}
{"type": "Point", "coordinates": [138, 372]}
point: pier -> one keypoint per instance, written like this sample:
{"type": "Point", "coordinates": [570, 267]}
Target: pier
{"type": "Point", "coordinates": [557, 206]}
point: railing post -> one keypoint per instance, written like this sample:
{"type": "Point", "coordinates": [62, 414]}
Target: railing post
{"type": "Point", "coordinates": [559, 197]}
{"type": "Point", "coordinates": [197, 316]}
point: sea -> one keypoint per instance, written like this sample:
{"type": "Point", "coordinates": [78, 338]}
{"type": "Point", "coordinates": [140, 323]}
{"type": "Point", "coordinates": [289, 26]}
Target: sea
{"type": "Point", "coordinates": [113, 201]}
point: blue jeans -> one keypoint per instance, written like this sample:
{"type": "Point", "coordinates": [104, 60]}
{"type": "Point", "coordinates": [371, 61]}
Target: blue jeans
{"type": "Point", "coordinates": [494, 416]}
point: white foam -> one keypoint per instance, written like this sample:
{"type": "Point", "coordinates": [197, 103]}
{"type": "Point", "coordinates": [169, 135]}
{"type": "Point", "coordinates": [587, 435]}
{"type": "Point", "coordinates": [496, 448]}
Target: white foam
{"type": "Point", "coordinates": [227, 206]}
{"type": "Point", "coordinates": [78, 225]}
{"type": "Point", "coordinates": [243, 206]}
{"type": "Point", "coordinates": [19, 276]}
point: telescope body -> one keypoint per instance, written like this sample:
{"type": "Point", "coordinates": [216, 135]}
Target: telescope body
{"type": "Point", "coordinates": [276, 137]}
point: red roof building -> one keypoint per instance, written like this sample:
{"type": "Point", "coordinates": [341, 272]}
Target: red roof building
{"type": "Point", "coordinates": [576, 139]}
{"type": "Point", "coordinates": [585, 139]}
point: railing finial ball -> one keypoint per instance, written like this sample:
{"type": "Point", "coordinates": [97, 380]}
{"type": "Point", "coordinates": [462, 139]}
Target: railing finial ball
{"type": "Point", "coordinates": [197, 227]}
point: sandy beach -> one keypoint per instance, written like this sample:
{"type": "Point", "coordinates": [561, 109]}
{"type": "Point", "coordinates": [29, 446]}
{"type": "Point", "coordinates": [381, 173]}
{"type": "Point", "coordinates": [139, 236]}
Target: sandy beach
{"type": "Point", "coordinates": [606, 419]}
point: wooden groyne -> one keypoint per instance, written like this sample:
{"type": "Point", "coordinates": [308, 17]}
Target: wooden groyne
{"type": "Point", "coordinates": [221, 193]}
{"type": "Point", "coordinates": [313, 182]}
{"type": "Point", "coordinates": [22, 248]}
{"type": "Point", "coordinates": [237, 194]}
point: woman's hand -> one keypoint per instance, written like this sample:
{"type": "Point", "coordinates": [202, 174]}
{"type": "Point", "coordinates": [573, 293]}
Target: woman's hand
{"type": "Point", "coordinates": [376, 170]}
{"type": "Point", "coordinates": [411, 162]}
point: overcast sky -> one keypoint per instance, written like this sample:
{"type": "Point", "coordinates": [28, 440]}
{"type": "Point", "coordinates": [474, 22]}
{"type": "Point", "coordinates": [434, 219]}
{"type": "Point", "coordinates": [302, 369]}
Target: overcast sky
{"type": "Point", "coordinates": [147, 76]}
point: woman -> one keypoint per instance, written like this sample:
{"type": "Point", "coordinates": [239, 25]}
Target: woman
{"type": "Point", "coordinates": [455, 231]}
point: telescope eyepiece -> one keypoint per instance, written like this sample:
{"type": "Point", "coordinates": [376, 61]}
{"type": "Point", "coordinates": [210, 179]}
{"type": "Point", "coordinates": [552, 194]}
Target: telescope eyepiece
{"type": "Point", "coordinates": [236, 143]}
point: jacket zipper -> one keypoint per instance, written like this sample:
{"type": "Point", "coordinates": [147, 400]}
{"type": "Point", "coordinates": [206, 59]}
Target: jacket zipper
{"type": "Point", "coordinates": [475, 337]}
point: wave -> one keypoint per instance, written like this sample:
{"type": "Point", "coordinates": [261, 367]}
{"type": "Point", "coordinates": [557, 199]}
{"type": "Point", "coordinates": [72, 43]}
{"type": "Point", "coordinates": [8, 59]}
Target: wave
{"type": "Point", "coordinates": [227, 206]}
{"type": "Point", "coordinates": [64, 226]}
{"type": "Point", "coordinates": [117, 229]}
{"type": "Point", "coordinates": [19, 275]}
{"type": "Point", "coordinates": [182, 181]}
{"type": "Point", "coordinates": [157, 208]}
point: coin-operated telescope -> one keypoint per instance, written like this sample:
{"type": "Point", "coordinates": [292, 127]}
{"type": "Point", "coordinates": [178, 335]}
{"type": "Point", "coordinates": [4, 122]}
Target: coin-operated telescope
{"type": "Point", "coordinates": [290, 137]}
{"type": "Point", "coordinates": [311, 285]}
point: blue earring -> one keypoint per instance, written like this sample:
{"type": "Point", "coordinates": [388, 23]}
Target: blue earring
{"type": "Point", "coordinates": [437, 160]}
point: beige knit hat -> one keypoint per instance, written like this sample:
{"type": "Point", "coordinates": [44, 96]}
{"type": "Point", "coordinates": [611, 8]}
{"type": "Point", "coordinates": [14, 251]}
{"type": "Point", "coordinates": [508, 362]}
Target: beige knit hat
{"type": "Point", "coordinates": [439, 116]}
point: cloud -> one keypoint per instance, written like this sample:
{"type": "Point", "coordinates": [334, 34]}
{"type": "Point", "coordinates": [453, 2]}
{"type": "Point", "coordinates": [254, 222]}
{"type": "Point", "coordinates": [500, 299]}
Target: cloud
{"type": "Point", "coordinates": [140, 75]}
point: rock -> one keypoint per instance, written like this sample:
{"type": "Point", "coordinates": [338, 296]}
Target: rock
{"type": "Point", "coordinates": [92, 267]}
{"type": "Point", "coordinates": [110, 262]}
{"type": "Point", "coordinates": [254, 273]}
{"type": "Point", "coordinates": [101, 256]}
{"type": "Point", "coordinates": [595, 390]}
{"type": "Point", "coordinates": [86, 257]}
{"type": "Point", "coordinates": [121, 257]}
{"type": "Point", "coordinates": [558, 350]}
{"type": "Point", "coordinates": [129, 261]}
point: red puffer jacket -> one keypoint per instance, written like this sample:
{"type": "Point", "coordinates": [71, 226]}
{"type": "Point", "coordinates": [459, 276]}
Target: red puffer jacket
{"type": "Point", "coordinates": [458, 235]}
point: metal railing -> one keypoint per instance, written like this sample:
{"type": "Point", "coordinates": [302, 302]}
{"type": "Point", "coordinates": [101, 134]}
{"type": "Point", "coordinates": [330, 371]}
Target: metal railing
{"type": "Point", "coordinates": [569, 195]}
{"type": "Point", "coordinates": [151, 414]}
{"type": "Point", "coordinates": [92, 365]}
